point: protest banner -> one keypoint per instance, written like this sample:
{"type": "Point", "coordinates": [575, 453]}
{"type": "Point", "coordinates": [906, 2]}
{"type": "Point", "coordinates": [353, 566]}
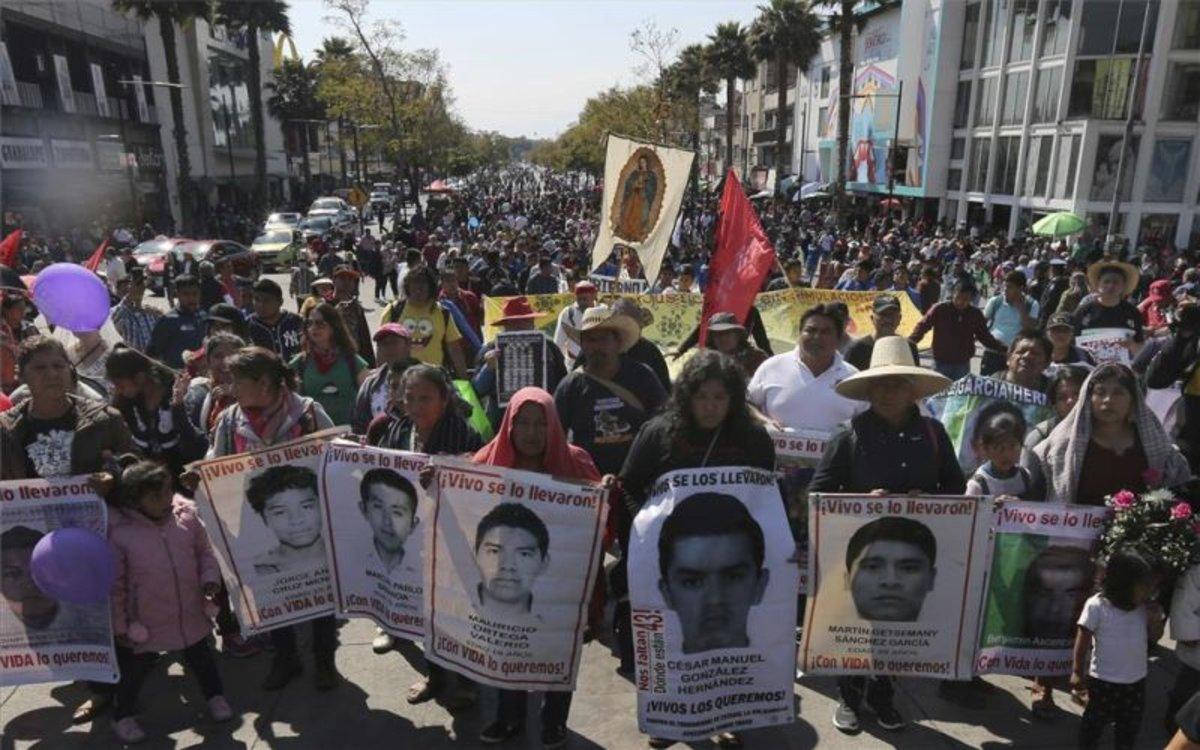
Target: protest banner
{"type": "Point", "coordinates": [521, 362]}
{"type": "Point", "coordinates": [1105, 344]}
{"type": "Point", "coordinates": [614, 284]}
{"type": "Point", "coordinates": [376, 513]}
{"type": "Point", "coordinates": [262, 511]}
{"type": "Point", "coordinates": [513, 556]}
{"type": "Point", "coordinates": [897, 585]}
{"type": "Point", "coordinates": [797, 453]}
{"type": "Point", "coordinates": [43, 639]}
{"type": "Point", "coordinates": [1041, 574]}
{"type": "Point", "coordinates": [713, 604]}
{"type": "Point", "coordinates": [960, 407]}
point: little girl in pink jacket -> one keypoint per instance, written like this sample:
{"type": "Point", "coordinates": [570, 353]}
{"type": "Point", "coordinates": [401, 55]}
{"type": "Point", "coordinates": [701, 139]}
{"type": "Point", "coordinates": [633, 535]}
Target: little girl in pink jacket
{"type": "Point", "coordinates": [166, 573]}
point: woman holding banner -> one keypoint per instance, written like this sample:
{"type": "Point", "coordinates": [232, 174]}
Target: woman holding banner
{"type": "Point", "coordinates": [531, 438]}
{"type": "Point", "coordinates": [1110, 441]}
{"type": "Point", "coordinates": [706, 423]}
{"type": "Point", "coordinates": [423, 417]}
{"type": "Point", "coordinates": [890, 448]}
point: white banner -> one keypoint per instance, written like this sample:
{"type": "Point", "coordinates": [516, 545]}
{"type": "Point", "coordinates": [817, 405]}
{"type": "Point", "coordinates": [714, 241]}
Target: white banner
{"type": "Point", "coordinates": [22, 153]}
{"type": "Point", "coordinates": [513, 557]}
{"type": "Point", "coordinates": [42, 639]}
{"type": "Point", "coordinates": [376, 515]}
{"type": "Point", "coordinates": [62, 75]}
{"type": "Point", "coordinates": [643, 189]}
{"type": "Point", "coordinates": [72, 154]}
{"type": "Point", "coordinates": [898, 585]}
{"type": "Point", "coordinates": [101, 91]}
{"type": "Point", "coordinates": [139, 94]}
{"type": "Point", "coordinates": [8, 81]}
{"type": "Point", "coordinates": [797, 453]}
{"type": "Point", "coordinates": [263, 514]}
{"type": "Point", "coordinates": [712, 589]}
{"type": "Point", "coordinates": [1105, 344]}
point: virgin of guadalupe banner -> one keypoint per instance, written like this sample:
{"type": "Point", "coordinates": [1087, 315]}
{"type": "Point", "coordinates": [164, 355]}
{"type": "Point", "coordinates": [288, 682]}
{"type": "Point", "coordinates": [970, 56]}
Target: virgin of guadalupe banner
{"type": "Point", "coordinates": [263, 514]}
{"type": "Point", "coordinates": [643, 189]}
{"type": "Point", "coordinates": [43, 639]}
{"type": "Point", "coordinates": [376, 513]}
{"type": "Point", "coordinates": [512, 558]}
{"type": "Point", "coordinates": [968, 400]}
{"type": "Point", "coordinates": [896, 583]}
{"type": "Point", "coordinates": [1041, 574]}
{"type": "Point", "coordinates": [712, 589]}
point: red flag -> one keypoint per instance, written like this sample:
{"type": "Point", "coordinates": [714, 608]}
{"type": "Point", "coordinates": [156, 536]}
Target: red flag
{"type": "Point", "coordinates": [8, 248]}
{"type": "Point", "coordinates": [742, 258]}
{"type": "Point", "coordinates": [93, 262]}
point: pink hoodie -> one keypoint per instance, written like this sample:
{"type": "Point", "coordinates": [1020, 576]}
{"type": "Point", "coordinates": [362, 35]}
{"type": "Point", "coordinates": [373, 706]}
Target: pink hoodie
{"type": "Point", "coordinates": [161, 571]}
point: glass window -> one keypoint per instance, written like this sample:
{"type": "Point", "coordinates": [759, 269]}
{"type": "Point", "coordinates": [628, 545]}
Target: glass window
{"type": "Point", "coordinates": [822, 122]}
{"type": "Point", "coordinates": [1037, 166]}
{"type": "Point", "coordinates": [1187, 25]}
{"type": "Point", "coordinates": [1100, 88]}
{"type": "Point", "coordinates": [985, 107]}
{"type": "Point", "coordinates": [1068, 160]}
{"type": "Point", "coordinates": [970, 32]}
{"type": "Point", "coordinates": [1130, 25]}
{"type": "Point", "coordinates": [1015, 88]}
{"type": "Point", "coordinates": [954, 179]}
{"type": "Point", "coordinates": [1020, 36]}
{"type": "Point", "coordinates": [962, 104]}
{"type": "Point", "coordinates": [1108, 161]}
{"type": "Point", "coordinates": [1045, 101]}
{"type": "Point", "coordinates": [979, 157]}
{"type": "Point", "coordinates": [1168, 170]}
{"type": "Point", "coordinates": [1181, 98]}
{"type": "Point", "coordinates": [1098, 27]}
{"type": "Point", "coordinates": [958, 147]}
{"type": "Point", "coordinates": [1004, 174]}
{"type": "Point", "coordinates": [993, 30]}
{"type": "Point", "coordinates": [1158, 229]}
{"type": "Point", "coordinates": [824, 82]}
{"type": "Point", "coordinates": [1056, 22]}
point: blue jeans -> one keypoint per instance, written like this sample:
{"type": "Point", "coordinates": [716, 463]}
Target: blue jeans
{"type": "Point", "coordinates": [953, 370]}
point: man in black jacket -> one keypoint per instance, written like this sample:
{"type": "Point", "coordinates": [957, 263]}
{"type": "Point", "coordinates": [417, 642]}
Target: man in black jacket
{"type": "Point", "coordinates": [1177, 362]}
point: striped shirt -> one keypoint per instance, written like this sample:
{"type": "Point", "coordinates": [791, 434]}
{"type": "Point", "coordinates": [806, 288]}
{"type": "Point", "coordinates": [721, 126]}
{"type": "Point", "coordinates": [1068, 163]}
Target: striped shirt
{"type": "Point", "coordinates": [135, 324]}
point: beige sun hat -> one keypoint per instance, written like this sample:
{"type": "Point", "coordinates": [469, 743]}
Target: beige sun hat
{"type": "Point", "coordinates": [602, 316]}
{"type": "Point", "coordinates": [1128, 270]}
{"type": "Point", "coordinates": [892, 357]}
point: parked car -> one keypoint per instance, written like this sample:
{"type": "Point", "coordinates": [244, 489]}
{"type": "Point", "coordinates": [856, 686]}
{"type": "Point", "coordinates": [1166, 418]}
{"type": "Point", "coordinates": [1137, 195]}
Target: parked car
{"type": "Point", "coordinates": [270, 247]}
{"type": "Point", "coordinates": [381, 198]}
{"type": "Point", "coordinates": [337, 209]}
{"type": "Point", "coordinates": [317, 226]}
{"type": "Point", "coordinates": [282, 219]}
{"type": "Point", "coordinates": [245, 262]}
{"type": "Point", "coordinates": [151, 255]}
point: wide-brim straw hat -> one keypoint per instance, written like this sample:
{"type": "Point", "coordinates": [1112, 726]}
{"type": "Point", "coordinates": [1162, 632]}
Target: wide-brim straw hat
{"type": "Point", "coordinates": [1128, 270]}
{"type": "Point", "coordinates": [891, 357]}
{"type": "Point", "coordinates": [600, 317]}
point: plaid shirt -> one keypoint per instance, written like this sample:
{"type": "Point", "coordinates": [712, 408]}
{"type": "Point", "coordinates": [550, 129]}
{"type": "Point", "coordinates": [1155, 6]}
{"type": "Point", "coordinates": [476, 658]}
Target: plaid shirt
{"type": "Point", "coordinates": [134, 324]}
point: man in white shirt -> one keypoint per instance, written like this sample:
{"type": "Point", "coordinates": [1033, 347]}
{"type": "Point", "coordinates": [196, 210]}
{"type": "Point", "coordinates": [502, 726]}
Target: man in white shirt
{"type": "Point", "coordinates": [570, 319]}
{"type": "Point", "coordinates": [796, 388]}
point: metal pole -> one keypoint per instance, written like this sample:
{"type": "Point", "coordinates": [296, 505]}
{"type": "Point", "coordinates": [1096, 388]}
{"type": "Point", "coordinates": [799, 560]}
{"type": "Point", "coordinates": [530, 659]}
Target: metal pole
{"type": "Point", "coordinates": [804, 139]}
{"type": "Point", "coordinates": [1113, 214]}
{"type": "Point", "coordinates": [229, 148]}
{"type": "Point", "coordinates": [895, 141]}
{"type": "Point", "coordinates": [357, 156]}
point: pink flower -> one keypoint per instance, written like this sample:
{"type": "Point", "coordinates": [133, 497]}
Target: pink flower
{"type": "Point", "coordinates": [1123, 500]}
{"type": "Point", "coordinates": [1152, 477]}
{"type": "Point", "coordinates": [1181, 511]}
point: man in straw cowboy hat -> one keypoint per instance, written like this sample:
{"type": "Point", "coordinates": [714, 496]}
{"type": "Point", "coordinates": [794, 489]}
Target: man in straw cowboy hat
{"type": "Point", "coordinates": [518, 316]}
{"type": "Point", "coordinates": [604, 402]}
{"type": "Point", "coordinates": [1111, 282]}
{"type": "Point", "coordinates": [889, 448]}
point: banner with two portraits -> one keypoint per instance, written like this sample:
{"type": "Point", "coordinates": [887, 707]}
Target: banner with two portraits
{"type": "Point", "coordinates": [712, 588]}
{"type": "Point", "coordinates": [262, 511]}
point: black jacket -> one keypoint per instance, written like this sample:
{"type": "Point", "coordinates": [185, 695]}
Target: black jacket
{"type": "Point", "coordinates": [1177, 361]}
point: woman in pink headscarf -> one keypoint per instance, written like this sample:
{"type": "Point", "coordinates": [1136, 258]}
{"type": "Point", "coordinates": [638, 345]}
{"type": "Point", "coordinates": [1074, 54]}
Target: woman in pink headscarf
{"type": "Point", "coordinates": [531, 438]}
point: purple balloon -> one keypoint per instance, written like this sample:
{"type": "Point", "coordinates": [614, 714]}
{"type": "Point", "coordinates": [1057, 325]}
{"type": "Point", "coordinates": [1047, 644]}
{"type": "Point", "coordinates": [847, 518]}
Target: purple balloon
{"type": "Point", "coordinates": [72, 297]}
{"type": "Point", "coordinates": [73, 565]}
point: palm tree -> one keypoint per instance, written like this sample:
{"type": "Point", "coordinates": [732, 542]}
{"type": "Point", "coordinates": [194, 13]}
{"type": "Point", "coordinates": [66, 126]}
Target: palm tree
{"type": "Point", "coordinates": [786, 33]}
{"type": "Point", "coordinates": [167, 15]}
{"type": "Point", "coordinates": [728, 54]}
{"type": "Point", "coordinates": [687, 78]}
{"type": "Point", "coordinates": [843, 21]}
{"type": "Point", "coordinates": [253, 17]}
{"type": "Point", "coordinates": [294, 100]}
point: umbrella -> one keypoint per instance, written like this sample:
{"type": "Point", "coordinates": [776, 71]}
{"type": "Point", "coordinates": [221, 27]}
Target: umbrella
{"type": "Point", "coordinates": [1058, 224]}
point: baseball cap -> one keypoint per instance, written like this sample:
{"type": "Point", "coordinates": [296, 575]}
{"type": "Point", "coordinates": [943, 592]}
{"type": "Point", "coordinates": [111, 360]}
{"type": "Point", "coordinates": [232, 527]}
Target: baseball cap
{"type": "Point", "coordinates": [392, 329]}
{"type": "Point", "coordinates": [1060, 320]}
{"type": "Point", "coordinates": [884, 302]}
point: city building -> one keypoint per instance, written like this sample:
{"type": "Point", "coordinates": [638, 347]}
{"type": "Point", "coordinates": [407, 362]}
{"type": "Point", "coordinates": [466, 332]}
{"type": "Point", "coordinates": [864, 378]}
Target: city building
{"type": "Point", "coordinates": [997, 112]}
{"type": "Point", "coordinates": [760, 96]}
{"type": "Point", "coordinates": [79, 140]}
{"type": "Point", "coordinates": [712, 139]}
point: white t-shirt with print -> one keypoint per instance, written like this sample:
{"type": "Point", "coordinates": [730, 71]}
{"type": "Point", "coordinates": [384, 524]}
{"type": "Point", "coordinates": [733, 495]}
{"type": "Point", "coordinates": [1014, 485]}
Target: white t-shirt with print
{"type": "Point", "coordinates": [1119, 640]}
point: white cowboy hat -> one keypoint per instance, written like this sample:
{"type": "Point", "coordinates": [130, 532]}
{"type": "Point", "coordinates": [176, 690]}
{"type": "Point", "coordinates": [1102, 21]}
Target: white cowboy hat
{"type": "Point", "coordinates": [602, 316]}
{"type": "Point", "coordinates": [892, 357]}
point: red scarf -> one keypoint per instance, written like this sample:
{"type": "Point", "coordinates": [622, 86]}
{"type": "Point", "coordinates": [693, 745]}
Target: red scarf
{"type": "Point", "coordinates": [561, 459]}
{"type": "Point", "coordinates": [323, 360]}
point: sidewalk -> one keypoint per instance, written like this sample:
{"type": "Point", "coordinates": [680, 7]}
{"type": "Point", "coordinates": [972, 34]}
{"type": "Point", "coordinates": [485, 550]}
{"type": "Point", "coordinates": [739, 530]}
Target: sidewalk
{"type": "Point", "coordinates": [369, 711]}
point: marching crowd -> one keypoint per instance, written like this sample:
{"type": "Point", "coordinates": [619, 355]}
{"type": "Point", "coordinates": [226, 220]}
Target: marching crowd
{"type": "Point", "coordinates": [228, 369]}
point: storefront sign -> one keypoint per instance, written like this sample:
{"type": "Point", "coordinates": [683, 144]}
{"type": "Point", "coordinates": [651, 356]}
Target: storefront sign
{"type": "Point", "coordinates": [22, 153]}
{"type": "Point", "coordinates": [110, 155]}
{"type": "Point", "coordinates": [71, 154]}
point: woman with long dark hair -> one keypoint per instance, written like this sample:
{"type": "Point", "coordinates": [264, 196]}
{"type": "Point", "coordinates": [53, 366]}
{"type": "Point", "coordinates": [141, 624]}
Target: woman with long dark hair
{"type": "Point", "coordinates": [329, 368]}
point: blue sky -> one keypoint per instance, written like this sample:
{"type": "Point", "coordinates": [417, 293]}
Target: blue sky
{"type": "Point", "coordinates": [526, 67]}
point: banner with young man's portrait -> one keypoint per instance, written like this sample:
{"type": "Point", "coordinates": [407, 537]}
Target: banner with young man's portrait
{"type": "Point", "coordinates": [262, 511]}
{"type": "Point", "coordinates": [896, 584]}
{"type": "Point", "coordinates": [1042, 572]}
{"type": "Point", "coordinates": [511, 559]}
{"type": "Point", "coordinates": [375, 516]}
{"type": "Point", "coordinates": [712, 590]}
{"type": "Point", "coordinates": [43, 639]}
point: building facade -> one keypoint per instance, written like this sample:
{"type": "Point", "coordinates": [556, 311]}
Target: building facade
{"type": "Point", "coordinates": [1001, 111]}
